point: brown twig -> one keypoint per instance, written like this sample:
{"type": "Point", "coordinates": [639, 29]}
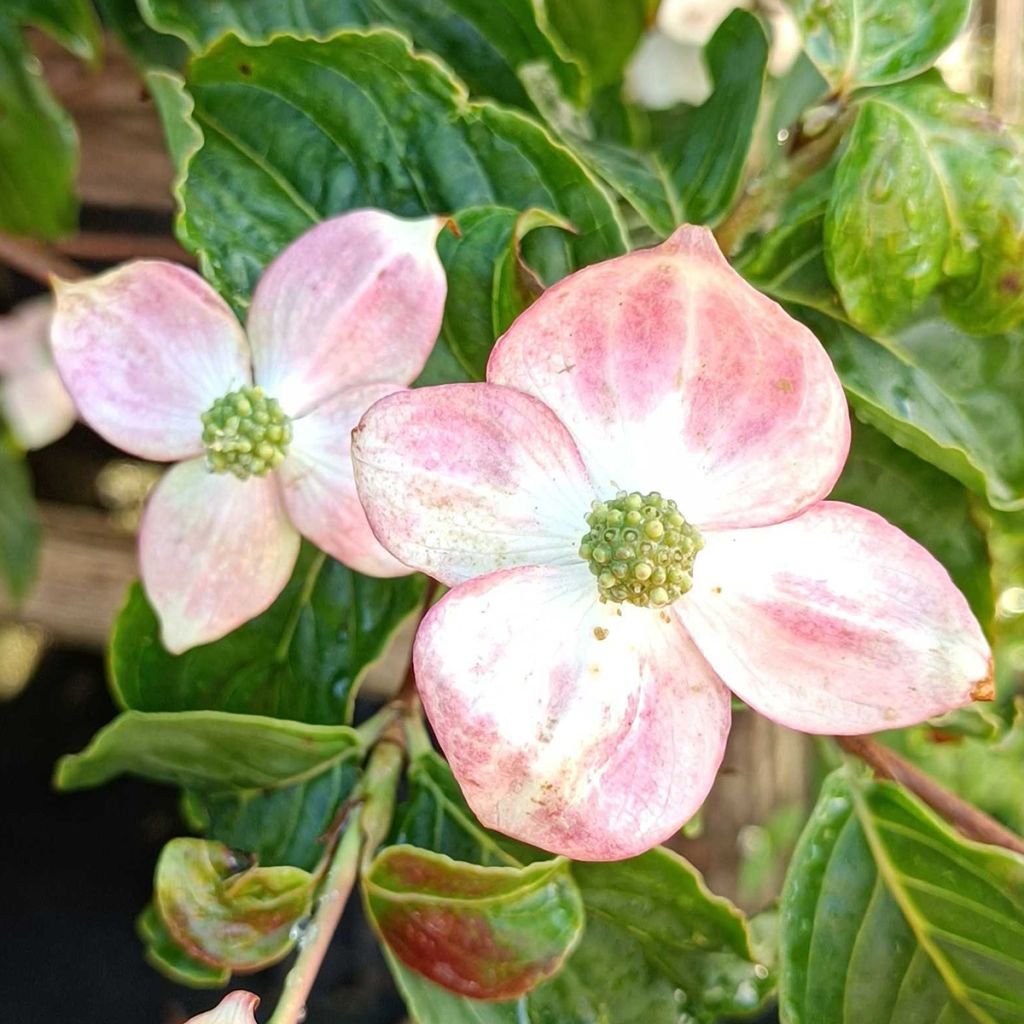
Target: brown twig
{"type": "Point", "coordinates": [964, 817]}
{"type": "Point", "coordinates": [114, 247]}
{"type": "Point", "coordinates": [36, 260]}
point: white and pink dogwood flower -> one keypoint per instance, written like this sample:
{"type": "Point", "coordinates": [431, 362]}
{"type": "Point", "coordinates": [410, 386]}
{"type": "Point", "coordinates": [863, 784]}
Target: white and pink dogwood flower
{"type": "Point", "coordinates": [260, 420]}
{"type": "Point", "coordinates": [630, 515]}
{"type": "Point", "coordinates": [235, 1008]}
{"type": "Point", "coordinates": [33, 401]}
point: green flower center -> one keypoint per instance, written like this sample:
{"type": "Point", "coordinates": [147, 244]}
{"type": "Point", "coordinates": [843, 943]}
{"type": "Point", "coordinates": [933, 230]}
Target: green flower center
{"type": "Point", "coordinates": [640, 548]}
{"type": "Point", "coordinates": [245, 433]}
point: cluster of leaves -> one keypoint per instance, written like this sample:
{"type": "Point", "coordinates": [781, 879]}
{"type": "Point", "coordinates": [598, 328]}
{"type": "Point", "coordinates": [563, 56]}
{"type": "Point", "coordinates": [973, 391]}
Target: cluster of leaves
{"type": "Point", "coordinates": [890, 225]}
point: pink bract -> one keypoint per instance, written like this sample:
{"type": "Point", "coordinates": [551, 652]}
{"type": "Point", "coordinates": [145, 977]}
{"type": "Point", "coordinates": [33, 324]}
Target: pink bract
{"type": "Point", "coordinates": [235, 1008]}
{"type": "Point", "coordinates": [595, 729]}
{"type": "Point", "coordinates": [33, 401]}
{"type": "Point", "coordinates": [345, 315]}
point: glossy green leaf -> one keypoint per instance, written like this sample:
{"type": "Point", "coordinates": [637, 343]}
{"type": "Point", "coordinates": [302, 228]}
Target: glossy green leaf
{"type": "Point", "coordinates": [499, 48]}
{"type": "Point", "coordinates": [489, 284]}
{"type": "Point", "coordinates": [302, 659]}
{"type": "Point", "coordinates": [890, 916]}
{"type": "Point", "coordinates": [640, 178]}
{"type": "Point", "coordinates": [788, 260]}
{"type": "Point", "coordinates": [602, 33]}
{"type": "Point", "coordinates": [481, 932]}
{"type": "Point", "coordinates": [705, 149]}
{"type": "Point", "coordinates": [656, 943]}
{"type": "Point", "coordinates": [167, 957]}
{"type": "Point", "coordinates": [360, 120]}
{"type": "Point", "coordinates": [147, 48]}
{"type": "Point", "coordinates": [209, 750]}
{"type": "Point", "coordinates": [955, 400]}
{"type": "Point", "coordinates": [285, 825]}
{"type": "Point", "coordinates": [19, 527]}
{"type": "Point", "coordinates": [928, 196]}
{"type": "Point", "coordinates": [38, 146]}
{"type": "Point", "coordinates": [924, 502]}
{"type": "Point", "coordinates": [226, 913]}
{"type": "Point", "coordinates": [874, 42]}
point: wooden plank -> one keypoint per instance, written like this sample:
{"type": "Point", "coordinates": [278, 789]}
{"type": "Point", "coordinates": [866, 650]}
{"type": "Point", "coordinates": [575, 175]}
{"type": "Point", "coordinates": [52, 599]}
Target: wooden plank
{"type": "Point", "coordinates": [86, 565]}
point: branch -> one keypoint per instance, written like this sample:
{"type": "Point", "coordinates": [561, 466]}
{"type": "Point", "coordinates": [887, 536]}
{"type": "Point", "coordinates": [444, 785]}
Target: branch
{"type": "Point", "coordinates": [36, 260]}
{"type": "Point", "coordinates": [964, 817]}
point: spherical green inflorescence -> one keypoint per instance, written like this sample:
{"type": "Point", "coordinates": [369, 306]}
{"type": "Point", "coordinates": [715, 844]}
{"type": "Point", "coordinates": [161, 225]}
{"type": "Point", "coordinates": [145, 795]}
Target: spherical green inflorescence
{"type": "Point", "coordinates": [245, 433]}
{"type": "Point", "coordinates": [640, 548]}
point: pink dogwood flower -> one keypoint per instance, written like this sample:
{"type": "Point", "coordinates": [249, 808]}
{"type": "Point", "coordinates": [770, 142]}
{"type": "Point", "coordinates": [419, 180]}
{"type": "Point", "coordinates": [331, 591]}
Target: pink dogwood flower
{"type": "Point", "coordinates": [234, 1008]}
{"type": "Point", "coordinates": [33, 401]}
{"type": "Point", "coordinates": [259, 421]}
{"type": "Point", "coordinates": [629, 514]}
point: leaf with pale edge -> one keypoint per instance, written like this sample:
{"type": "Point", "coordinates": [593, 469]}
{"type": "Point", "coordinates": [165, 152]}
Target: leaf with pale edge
{"type": "Point", "coordinates": [209, 750]}
{"type": "Point", "coordinates": [225, 913]}
{"type": "Point", "coordinates": [928, 197]}
{"type": "Point", "coordinates": [166, 956]}
{"type": "Point", "coordinates": [955, 400]}
{"type": "Point", "coordinates": [481, 932]}
{"type": "Point", "coordinates": [889, 916]}
{"type": "Point", "coordinates": [361, 120]}
{"type": "Point", "coordinates": [498, 48]}
{"type": "Point", "coordinates": [875, 42]}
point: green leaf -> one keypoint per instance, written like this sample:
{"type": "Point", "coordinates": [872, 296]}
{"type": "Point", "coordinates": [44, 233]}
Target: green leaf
{"type": "Point", "coordinates": [489, 284]}
{"type": "Point", "coordinates": [925, 503]}
{"type": "Point", "coordinates": [499, 48]}
{"type": "Point", "coordinates": [658, 946]}
{"type": "Point", "coordinates": [302, 659]}
{"type": "Point", "coordinates": [285, 825]}
{"type": "Point", "coordinates": [167, 957]}
{"type": "Point", "coordinates": [656, 942]}
{"type": "Point", "coordinates": [888, 915]}
{"type": "Point", "coordinates": [928, 196]}
{"type": "Point", "coordinates": [209, 750]}
{"type": "Point", "coordinates": [640, 178]}
{"type": "Point", "coordinates": [705, 148]}
{"type": "Point", "coordinates": [360, 120]}
{"type": "Point", "coordinates": [72, 23]}
{"type": "Point", "coordinates": [875, 42]}
{"type": "Point", "coordinates": [602, 33]}
{"type": "Point", "coordinates": [38, 147]}
{"type": "Point", "coordinates": [228, 914]}
{"type": "Point", "coordinates": [950, 398]}
{"type": "Point", "coordinates": [481, 932]}
{"type": "Point", "coordinates": [19, 527]}
{"type": "Point", "coordinates": [148, 49]}
{"type": "Point", "coordinates": [788, 261]}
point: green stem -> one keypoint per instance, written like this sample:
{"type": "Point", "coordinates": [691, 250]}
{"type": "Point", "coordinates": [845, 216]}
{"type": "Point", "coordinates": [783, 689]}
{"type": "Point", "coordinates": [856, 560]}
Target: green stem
{"type": "Point", "coordinates": [364, 831]}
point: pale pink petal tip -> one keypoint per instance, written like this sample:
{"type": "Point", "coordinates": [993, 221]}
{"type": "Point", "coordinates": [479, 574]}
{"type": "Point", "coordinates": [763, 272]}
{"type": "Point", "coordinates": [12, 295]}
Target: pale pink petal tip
{"type": "Point", "coordinates": [144, 350]}
{"type": "Point", "coordinates": [836, 622]}
{"type": "Point", "coordinates": [319, 490]}
{"type": "Point", "coordinates": [356, 300]}
{"type": "Point", "coordinates": [236, 1008]}
{"type": "Point", "coordinates": [214, 552]}
{"type": "Point", "coordinates": [695, 242]}
{"type": "Point", "coordinates": [569, 726]}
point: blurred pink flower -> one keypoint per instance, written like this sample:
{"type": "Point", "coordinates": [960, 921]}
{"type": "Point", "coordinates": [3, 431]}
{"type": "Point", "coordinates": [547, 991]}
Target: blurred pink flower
{"type": "Point", "coordinates": [236, 1008]}
{"type": "Point", "coordinates": [33, 401]}
{"type": "Point", "coordinates": [630, 515]}
{"type": "Point", "coordinates": [260, 420]}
